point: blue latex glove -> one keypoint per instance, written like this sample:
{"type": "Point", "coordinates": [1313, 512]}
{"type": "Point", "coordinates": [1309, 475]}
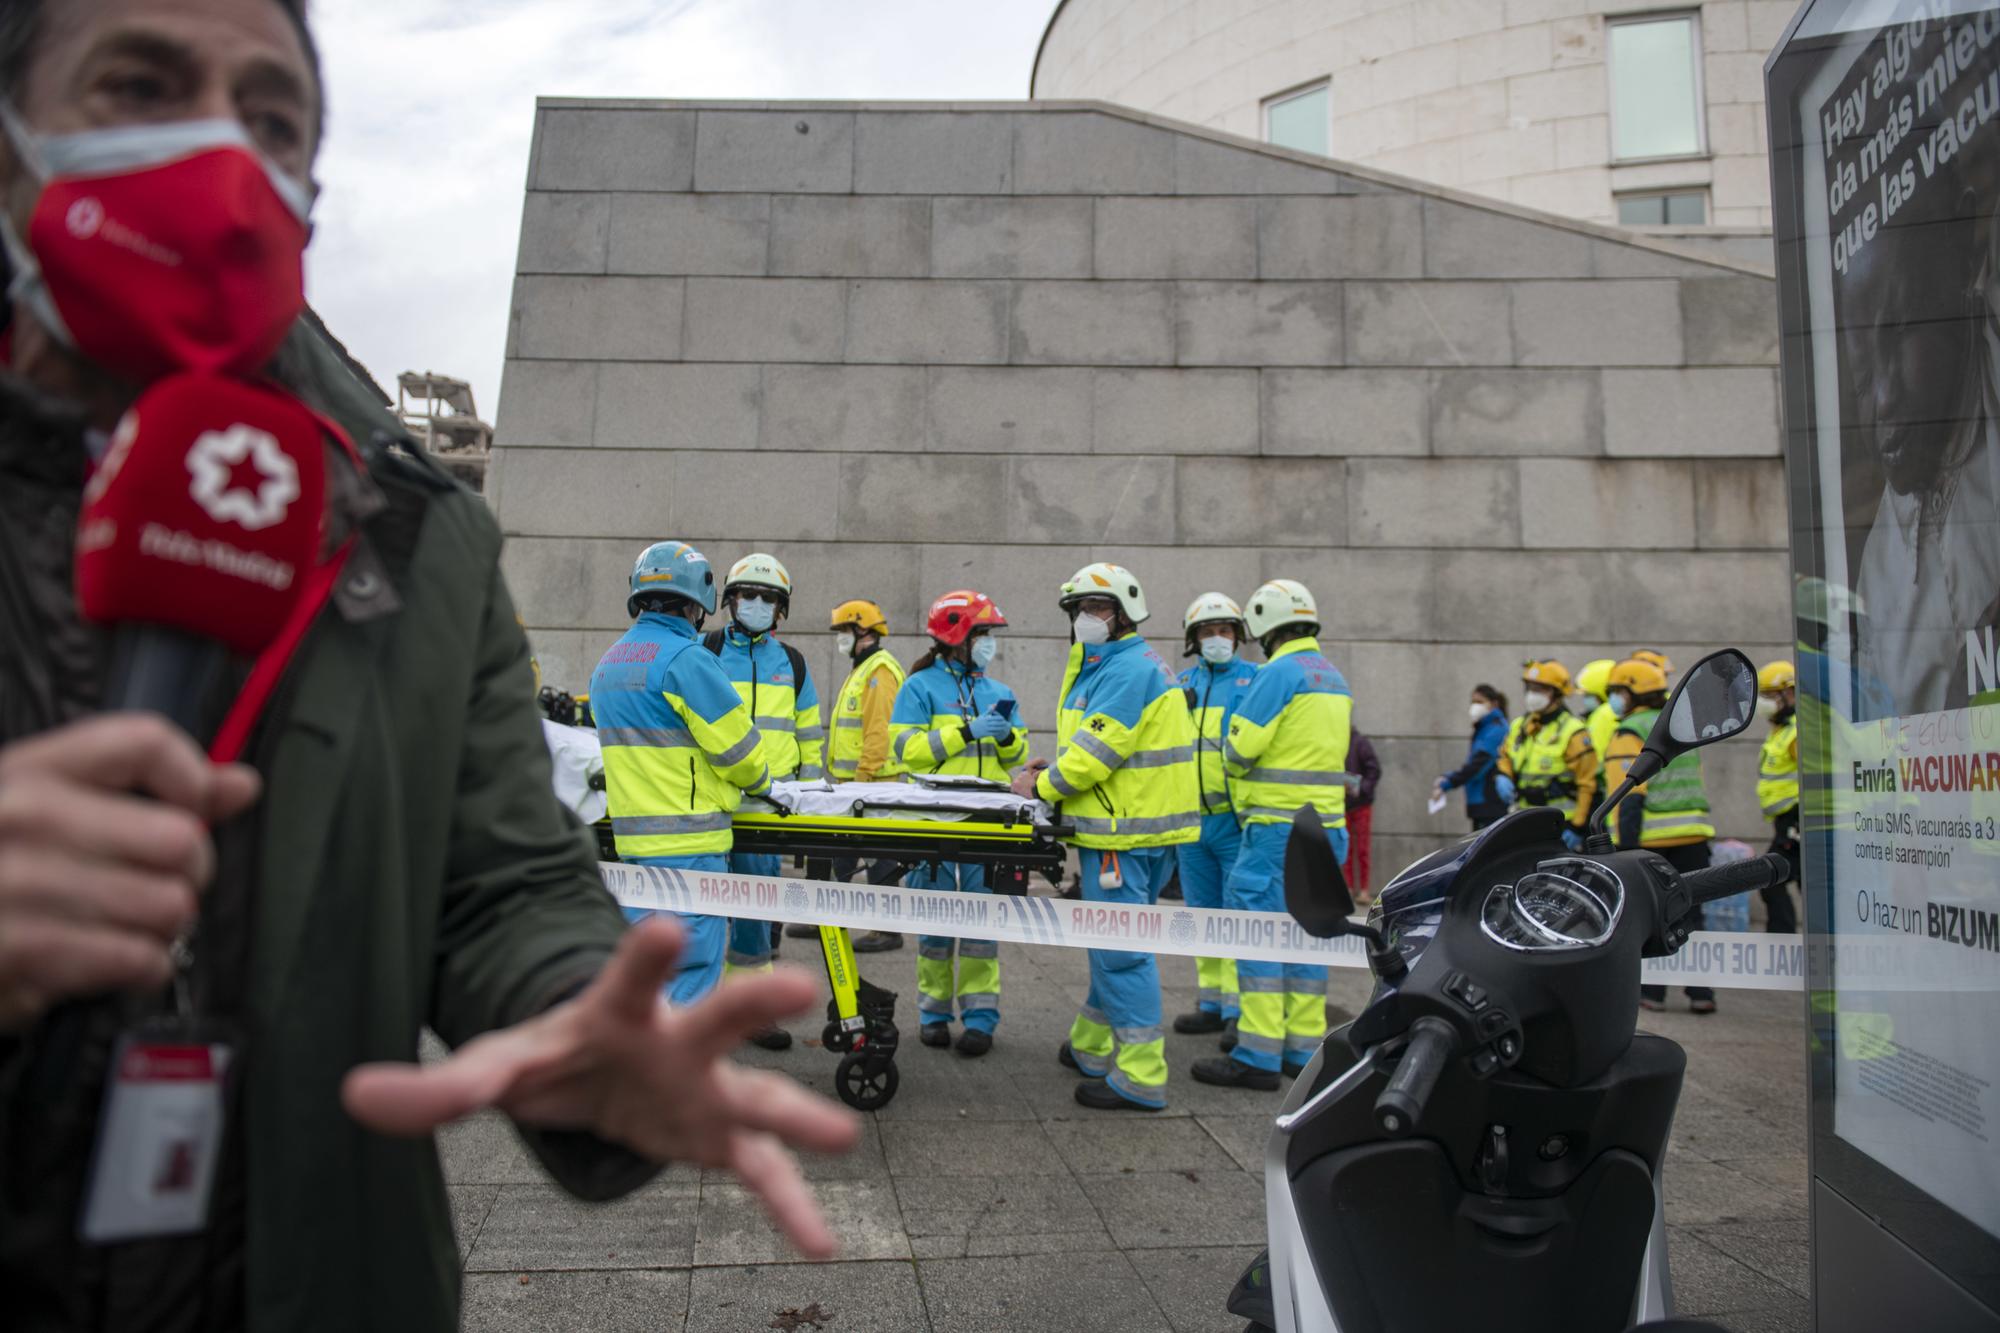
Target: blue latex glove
{"type": "Point", "coordinates": [990, 726]}
{"type": "Point", "coordinates": [1572, 840]}
{"type": "Point", "coordinates": [1503, 787]}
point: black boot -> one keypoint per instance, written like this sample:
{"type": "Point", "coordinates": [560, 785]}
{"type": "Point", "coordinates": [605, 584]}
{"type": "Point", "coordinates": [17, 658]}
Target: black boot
{"type": "Point", "coordinates": [1067, 1058]}
{"type": "Point", "coordinates": [1198, 1022]}
{"type": "Point", "coordinates": [1227, 1042]}
{"type": "Point", "coordinates": [1098, 1096]}
{"type": "Point", "coordinates": [877, 941]}
{"type": "Point", "coordinates": [974, 1043]}
{"type": "Point", "coordinates": [1225, 1072]}
{"type": "Point", "coordinates": [773, 1038]}
{"type": "Point", "coordinates": [935, 1034]}
{"type": "Point", "coordinates": [801, 931]}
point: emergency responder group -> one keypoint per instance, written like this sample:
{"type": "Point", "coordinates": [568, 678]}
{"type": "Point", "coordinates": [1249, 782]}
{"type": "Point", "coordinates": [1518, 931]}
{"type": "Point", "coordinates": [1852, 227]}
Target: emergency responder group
{"type": "Point", "coordinates": [1158, 774]}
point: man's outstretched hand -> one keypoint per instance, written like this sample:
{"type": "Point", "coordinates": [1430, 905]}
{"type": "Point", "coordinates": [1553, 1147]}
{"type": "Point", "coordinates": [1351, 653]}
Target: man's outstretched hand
{"type": "Point", "coordinates": [618, 1062]}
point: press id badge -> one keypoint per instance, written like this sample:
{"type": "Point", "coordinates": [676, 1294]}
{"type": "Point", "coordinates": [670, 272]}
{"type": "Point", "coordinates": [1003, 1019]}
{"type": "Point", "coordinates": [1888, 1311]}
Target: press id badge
{"type": "Point", "coordinates": [158, 1139]}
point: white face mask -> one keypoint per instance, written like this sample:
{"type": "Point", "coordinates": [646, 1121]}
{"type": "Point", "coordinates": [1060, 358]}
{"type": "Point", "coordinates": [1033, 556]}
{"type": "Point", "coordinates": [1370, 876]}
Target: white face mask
{"type": "Point", "coordinates": [1766, 706]}
{"type": "Point", "coordinates": [1218, 649]}
{"type": "Point", "coordinates": [1536, 700]}
{"type": "Point", "coordinates": [755, 616]}
{"type": "Point", "coordinates": [984, 650]}
{"type": "Point", "coordinates": [1479, 711]}
{"type": "Point", "coordinates": [844, 642]}
{"type": "Point", "coordinates": [1621, 704]}
{"type": "Point", "coordinates": [1091, 630]}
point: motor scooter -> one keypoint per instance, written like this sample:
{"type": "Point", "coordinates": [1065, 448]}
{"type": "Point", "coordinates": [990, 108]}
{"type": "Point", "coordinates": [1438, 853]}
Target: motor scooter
{"type": "Point", "coordinates": [1481, 1148]}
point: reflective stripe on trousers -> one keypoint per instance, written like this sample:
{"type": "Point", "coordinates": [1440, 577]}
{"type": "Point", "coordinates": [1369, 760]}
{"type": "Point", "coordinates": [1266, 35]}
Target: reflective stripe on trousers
{"type": "Point", "coordinates": [1204, 866]}
{"type": "Point", "coordinates": [1284, 1004]}
{"type": "Point", "coordinates": [975, 989]}
{"type": "Point", "coordinates": [1117, 1029]}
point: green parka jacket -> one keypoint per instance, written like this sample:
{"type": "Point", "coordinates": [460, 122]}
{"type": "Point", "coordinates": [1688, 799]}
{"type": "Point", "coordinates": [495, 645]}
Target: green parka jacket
{"type": "Point", "coordinates": [411, 868]}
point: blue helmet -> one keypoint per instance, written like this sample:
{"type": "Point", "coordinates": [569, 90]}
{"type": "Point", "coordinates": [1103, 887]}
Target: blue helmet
{"type": "Point", "coordinates": [675, 568]}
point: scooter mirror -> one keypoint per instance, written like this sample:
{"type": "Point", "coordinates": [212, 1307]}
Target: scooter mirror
{"type": "Point", "coordinates": [1715, 701]}
{"type": "Point", "coordinates": [1315, 891]}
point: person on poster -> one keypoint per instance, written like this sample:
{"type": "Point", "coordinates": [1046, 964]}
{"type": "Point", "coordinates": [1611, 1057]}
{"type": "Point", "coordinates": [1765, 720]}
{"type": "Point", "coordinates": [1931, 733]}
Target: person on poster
{"type": "Point", "coordinates": [1920, 346]}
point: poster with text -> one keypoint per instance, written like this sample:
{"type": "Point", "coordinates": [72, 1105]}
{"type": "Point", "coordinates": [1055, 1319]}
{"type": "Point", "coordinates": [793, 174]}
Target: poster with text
{"type": "Point", "coordinates": [1897, 667]}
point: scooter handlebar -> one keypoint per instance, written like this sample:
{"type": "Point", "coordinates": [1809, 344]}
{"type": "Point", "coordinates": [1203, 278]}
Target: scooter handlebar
{"type": "Point", "coordinates": [1433, 1045]}
{"type": "Point", "coordinates": [1753, 875]}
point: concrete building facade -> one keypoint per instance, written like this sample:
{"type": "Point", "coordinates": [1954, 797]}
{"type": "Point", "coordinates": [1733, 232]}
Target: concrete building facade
{"type": "Point", "coordinates": [914, 348]}
{"type": "Point", "coordinates": [1516, 99]}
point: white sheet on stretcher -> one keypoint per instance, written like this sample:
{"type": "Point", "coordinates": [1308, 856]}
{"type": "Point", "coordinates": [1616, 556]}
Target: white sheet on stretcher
{"type": "Point", "coordinates": [939, 799]}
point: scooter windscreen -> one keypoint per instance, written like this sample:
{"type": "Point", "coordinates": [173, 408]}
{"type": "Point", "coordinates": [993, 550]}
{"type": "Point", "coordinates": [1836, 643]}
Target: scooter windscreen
{"type": "Point", "coordinates": [1569, 903]}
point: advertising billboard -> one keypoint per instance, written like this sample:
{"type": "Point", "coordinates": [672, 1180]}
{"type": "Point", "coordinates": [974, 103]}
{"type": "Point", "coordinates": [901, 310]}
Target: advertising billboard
{"type": "Point", "coordinates": [1886, 175]}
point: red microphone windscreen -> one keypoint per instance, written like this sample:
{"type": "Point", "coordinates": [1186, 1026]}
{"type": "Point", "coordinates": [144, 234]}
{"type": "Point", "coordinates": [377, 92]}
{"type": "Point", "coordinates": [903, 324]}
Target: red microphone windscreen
{"type": "Point", "coordinates": [206, 513]}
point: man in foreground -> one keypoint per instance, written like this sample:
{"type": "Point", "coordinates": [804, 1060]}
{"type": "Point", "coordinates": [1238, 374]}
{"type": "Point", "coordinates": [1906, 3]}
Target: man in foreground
{"type": "Point", "coordinates": [391, 855]}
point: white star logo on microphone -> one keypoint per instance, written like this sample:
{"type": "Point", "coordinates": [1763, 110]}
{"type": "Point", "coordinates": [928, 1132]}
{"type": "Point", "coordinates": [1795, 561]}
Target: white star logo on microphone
{"type": "Point", "coordinates": [213, 463]}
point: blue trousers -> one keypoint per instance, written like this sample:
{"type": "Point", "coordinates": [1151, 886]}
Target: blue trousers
{"type": "Point", "coordinates": [954, 972]}
{"type": "Point", "coordinates": [750, 941]}
{"type": "Point", "coordinates": [1284, 1004]}
{"type": "Point", "coordinates": [701, 962]}
{"type": "Point", "coordinates": [1204, 868]}
{"type": "Point", "coordinates": [1117, 1033]}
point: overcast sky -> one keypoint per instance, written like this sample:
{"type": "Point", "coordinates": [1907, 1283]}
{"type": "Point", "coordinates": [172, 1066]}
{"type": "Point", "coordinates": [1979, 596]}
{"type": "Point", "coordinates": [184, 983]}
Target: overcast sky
{"type": "Point", "coordinates": [432, 106]}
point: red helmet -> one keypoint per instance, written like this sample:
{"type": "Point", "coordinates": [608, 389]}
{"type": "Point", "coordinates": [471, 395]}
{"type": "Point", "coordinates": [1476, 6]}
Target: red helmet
{"type": "Point", "coordinates": [955, 615]}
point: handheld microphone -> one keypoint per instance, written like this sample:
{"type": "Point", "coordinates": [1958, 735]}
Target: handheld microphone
{"type": "Point", "coordinates": [198, 534]}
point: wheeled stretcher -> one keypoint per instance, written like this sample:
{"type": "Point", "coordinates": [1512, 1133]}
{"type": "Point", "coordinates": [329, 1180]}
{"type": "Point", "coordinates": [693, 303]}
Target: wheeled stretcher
{"type": "Point", "coordinates": [917, 822]}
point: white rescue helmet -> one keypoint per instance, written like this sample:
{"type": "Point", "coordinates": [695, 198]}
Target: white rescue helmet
{"type": "Point", "coordinates": [1213, 608]}
{"type": "Point", "coordinates": [1279, 603]}
{"type": "Point", "coordinates": [1107, 580]}
{"type": "Point", "coordinates": [758, 570]}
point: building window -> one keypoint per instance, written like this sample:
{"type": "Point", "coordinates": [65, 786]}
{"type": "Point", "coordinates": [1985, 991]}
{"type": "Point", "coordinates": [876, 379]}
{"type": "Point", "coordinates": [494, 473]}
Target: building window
{"type": "Point", "coordinates": [1672, 208]}
{"type": "Point", "coordinates": [1301, 119]}
{"type": "Point", "coordinates": [1655, 69]}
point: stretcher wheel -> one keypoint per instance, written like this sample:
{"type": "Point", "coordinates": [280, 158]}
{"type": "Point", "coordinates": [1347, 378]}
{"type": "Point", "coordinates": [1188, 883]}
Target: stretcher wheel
{"type": "Point", "coordinates": [862, 1087]}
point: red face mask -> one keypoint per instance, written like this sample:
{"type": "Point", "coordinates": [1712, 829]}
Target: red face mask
{"type": "Point", "coordinates": [161, 248]}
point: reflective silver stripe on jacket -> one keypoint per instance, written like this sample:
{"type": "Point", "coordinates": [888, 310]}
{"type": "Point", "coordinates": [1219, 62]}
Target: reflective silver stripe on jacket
{"type": "Point", "coordinates": [1216, 802]}
{"type": "Point", "coordinates": [854, 722]}
{"type": "Point", "coordinates": [1059, 782]}
{"type": "Point", "coordinates": [1152, 824]}
{"type": "Point", "coordinates": [1294, 777]}
{"type": "Point", "coordinates": [1232, 755]}
{"type": "Point", "coordinates": [1270, 812]}
{"type": "Point", "coordinates": [784, 724]}
{"type": "Point", "coordinates": [1181, 754]}
{"type": "Point", "coordinates": [738, 752]}
{"type": "Point", "coordinates": [812, 734]}
{"type": "Point", "coordinates": [1097, 749]}
{"type": "Point", "coordinates": [651, 737]}
{"type": "Point", "coordinates": [645, 826]}
{"type": "Point", "coordinates": [810, 773]}
{"type": "Point", "coordinates": [903, 743]}
{"type": "Point", "coordinates": [938, 751]}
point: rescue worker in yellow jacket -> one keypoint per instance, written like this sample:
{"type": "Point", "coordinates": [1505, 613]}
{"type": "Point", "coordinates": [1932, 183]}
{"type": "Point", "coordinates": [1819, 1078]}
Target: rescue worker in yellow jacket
{"type": "Point", "coordinates": [857, 745]}
{"type": "Point", "coordinates": [679, 747]}
{"type": "Point", "coordinates": [1669, 813]}
{"type": "Point", "coordinates": [953, 718]}
{"type": "Point", "coordinates": [1124, 778]}
{"type": "Point", "coordinates": [1594, 683]}
{"type": "Point", "coordinates": [1778, 785]}
{"type": "Point", "coordinates": [1287, 749]}
{"type": "Point", "coordinates": [1548, 755]}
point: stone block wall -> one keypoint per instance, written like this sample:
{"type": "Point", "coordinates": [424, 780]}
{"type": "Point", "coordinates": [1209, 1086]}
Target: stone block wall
{"type": "Point", "coordinates": [914, 348]}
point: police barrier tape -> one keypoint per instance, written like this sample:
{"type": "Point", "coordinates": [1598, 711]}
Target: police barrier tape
{"type": "Point", "coordinates": [1743, 961]}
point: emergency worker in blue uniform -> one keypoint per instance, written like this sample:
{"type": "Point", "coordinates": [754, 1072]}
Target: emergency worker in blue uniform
{"type": "Point", "coordinates": [1214, 630]}
{"type": "Point", "coordinates": [1286, 749]}
{"type": "Point", "coordinates": [771, 679]}
{"type": "Point", "coordinates": [680, 750]}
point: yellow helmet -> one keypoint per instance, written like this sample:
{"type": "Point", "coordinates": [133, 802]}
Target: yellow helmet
{"type": "Point", "coordinates": [1639, 676]}
{"type": "Point", "coordinates": [862, 614]}
{"type": "Point", "coordinates": [1550, 673]}
{"type": "Point", "coordinates": [1656, 657]}
{"type": "Point", "coordinates": [1775, 676]}
{"type": "Point", "coordinates": [1595, 678]}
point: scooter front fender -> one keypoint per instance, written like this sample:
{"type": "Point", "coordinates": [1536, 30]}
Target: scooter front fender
{"type": "Point", "coordinates": [1298, 1297]}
